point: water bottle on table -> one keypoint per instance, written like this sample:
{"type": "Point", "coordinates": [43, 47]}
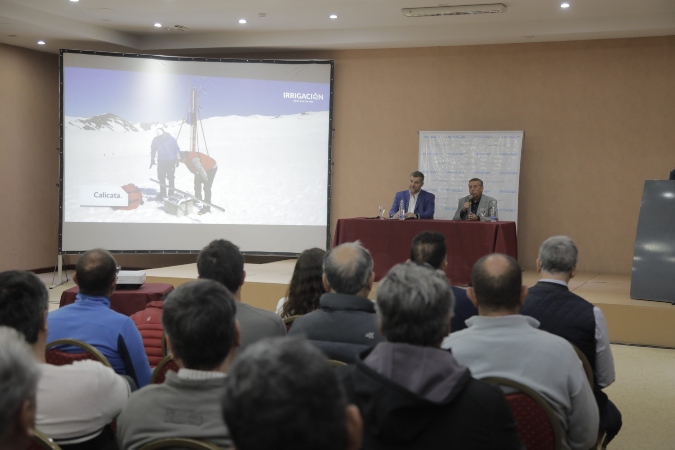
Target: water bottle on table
{"type": "Point", "coordinates": [401, 211]}
{"type": "Point", "coordinates": [493, 213]}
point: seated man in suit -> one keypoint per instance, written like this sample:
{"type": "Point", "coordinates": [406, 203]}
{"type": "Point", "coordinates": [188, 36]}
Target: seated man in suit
{"type": "Point", "coordinates": [412, 394]}
{"type": "Point", "coordinates": [499, 342]}
{"type": "Point", "coordinates": [476, 206]}
{"type": "Point", "coordinates": [203, 335]}
{"type": "Point", "coordinates": [564, 313]}
{"type": "Point", "coordinates": [345, 323]}
{"type": "Point", "coordinates": [222, 261]}
{"type": "Point", "coordinates": [75, 402]}
{"type": "Point", "coordinates": [18, 381]}
{"type": "Point", "coordinates": [417, 204]}
{"type": "Point", "coordinates": [429, 247]}
{"type": "Point", "coordinates": [299, 401]}
{"type": "Point", "coordinates": [91, 320]}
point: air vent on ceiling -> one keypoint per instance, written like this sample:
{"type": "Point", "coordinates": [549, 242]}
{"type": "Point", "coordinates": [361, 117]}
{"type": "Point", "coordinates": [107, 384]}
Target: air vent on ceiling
{"type": "Point", "coordinates": [177, 28]}
{"type": "Point", "coordinates": [454, 10]}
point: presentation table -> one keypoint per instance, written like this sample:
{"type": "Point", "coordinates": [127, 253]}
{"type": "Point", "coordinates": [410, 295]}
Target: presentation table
{"type": "Point", "coordinates": [389, 241]}
{"type": "Point", "coordinates": [125, 301]}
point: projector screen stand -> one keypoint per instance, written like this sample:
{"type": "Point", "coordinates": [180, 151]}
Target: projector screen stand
{"type": "Point", "coordinates": [59, 269]}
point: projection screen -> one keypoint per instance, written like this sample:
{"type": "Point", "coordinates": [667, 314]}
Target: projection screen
{"type": "Point", "coordinates": [143, 138]}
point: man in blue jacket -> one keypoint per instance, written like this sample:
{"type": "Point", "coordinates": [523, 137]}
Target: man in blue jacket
{"type": "Point", "coordinates": [417, 204]}
{"type": "Point", "coordinates": [91, 320]}
{"type": "Point", "coordinates": [165, 148]}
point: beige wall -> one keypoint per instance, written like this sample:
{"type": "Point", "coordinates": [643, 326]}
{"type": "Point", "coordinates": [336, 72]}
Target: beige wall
{"type": "Point", "coordinates": [29, 158]}
{"type": "Point", "coordinates": [598, 116]}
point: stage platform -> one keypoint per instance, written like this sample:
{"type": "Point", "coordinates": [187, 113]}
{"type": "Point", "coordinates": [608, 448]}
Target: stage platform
{"type": "Point", "coordinates": [630, 321]}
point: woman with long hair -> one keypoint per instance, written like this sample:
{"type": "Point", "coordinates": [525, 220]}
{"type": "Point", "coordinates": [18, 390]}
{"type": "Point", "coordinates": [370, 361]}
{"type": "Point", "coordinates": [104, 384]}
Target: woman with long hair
{"type": "Point", "coordinates": [306, 285]}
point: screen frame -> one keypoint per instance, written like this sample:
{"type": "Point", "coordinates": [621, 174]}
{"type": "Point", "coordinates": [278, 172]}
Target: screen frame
{"type": "Point", "coordinates": [200, 59]}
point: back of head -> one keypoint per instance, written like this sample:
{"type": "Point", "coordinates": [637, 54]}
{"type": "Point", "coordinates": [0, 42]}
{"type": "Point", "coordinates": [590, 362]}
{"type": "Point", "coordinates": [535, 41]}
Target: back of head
{"type": "Point", "coordinates": [497, 282]}
{"type": "Point", "coordinates": [282, 394]}
{"type": "Point", "coordinates": [222, 261]}
{"type": "Point", "coordinates": [23, 302]}
{"type": "Point", "coordinates": [199, 320]}
{"type": "Point", "coordinates": [558, 255]}
{"type": "Point", "coordinates": [306, 285]}
{"type": "Point", "coordinates": [414, 305]}
{"type": "Point", "coordinates": [96, 271]}
{"type": "Point", "coordinates": [348, 267]}
{"type": "Point", "coordinates": [18, 384]}
{"type": "Point", "coordinates": [429, 247]}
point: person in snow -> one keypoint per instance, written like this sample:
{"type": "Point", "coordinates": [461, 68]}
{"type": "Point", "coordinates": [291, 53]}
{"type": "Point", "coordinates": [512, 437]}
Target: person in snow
{"type": "Point", "coordinates": [204, 168]}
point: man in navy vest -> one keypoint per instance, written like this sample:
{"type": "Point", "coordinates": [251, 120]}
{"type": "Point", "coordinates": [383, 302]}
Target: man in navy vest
{"type": "Point", "coordinates": [429, 247]}
{"type": "Point", "coordinates": [564, 313]}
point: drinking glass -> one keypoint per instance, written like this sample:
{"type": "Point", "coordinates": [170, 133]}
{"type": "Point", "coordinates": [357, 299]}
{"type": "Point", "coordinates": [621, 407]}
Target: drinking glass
{"type": "Point", "coordinates": [481, 213]}
{"type": "Point", "coordinates": [382, 211]}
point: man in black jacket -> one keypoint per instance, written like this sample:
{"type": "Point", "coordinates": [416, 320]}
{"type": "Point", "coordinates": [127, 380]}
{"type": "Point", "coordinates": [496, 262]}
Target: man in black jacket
{"type": "Point", "coordinates": [413, 395]}
{"type": "Point", "coordinates": [562, 312]}
{"type": "Point", "coordinates": [345, 323]}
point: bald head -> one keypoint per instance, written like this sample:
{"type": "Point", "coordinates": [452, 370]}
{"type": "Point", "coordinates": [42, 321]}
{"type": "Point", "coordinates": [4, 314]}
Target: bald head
{"type": "Point", "coordinates": [348, 268]}
{"type": "Point", "coordinates": [96, 272]}
{"type": "Point", "coordinates": [497, 284]}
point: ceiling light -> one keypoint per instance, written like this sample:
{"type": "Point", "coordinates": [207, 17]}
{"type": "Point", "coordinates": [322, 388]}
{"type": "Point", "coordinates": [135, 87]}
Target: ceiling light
{"type": "Point", "coordinates": [41, 42]}
{"type": "Point", "coordinates": [158, 25]}
{"type": "Point", "coordinates": [453, 10]}
{"type": "Point", "coordinates": [74, 1]}
{"type": "Point", "coordinates": [333, 16]}
{"type": "Point", "coordinates": [565, 5]}
{"type": "Point", "coordinates": [242, 21]}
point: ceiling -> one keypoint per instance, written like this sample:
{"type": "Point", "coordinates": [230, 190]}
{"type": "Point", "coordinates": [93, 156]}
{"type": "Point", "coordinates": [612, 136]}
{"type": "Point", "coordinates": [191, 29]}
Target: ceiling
{"type": "Point", "coordinates": [211, 26]}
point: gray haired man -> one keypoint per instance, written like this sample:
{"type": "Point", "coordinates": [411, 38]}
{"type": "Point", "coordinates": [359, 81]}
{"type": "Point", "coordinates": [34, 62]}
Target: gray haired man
{"type": "Point", "coordinates": [562, 312]}
{"type": "Point", "coordinates": [345, 323]}
{"type": "Point", "coordinates": [411, 393]}
{"type": "Point", "coordinates": [18, 384]}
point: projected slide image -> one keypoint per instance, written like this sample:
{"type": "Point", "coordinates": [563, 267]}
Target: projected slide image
{"type": "Point", "coordinates": [262, 146]}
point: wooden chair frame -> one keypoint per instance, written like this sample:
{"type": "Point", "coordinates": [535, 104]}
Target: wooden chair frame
{"type": "Point", "coordinates": [166, 360]}
{"type": "Point", "coordinates": [43, 441]}
{"type": "Point", "coordinates": [87, 348]}
{"type": "Point", "coordinates": [192, 444]}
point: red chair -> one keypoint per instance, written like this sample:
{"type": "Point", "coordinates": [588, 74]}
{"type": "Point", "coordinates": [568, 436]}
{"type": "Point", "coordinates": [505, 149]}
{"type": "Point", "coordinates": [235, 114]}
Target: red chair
{"type": "Point", "coordinates": [538, 425]}
{"type": "Point", "coordinates": [288, 321]}
{"type": "Point", "coordinates": [165, 365]}
{"type": "Point", "coordinates": [57, 357]}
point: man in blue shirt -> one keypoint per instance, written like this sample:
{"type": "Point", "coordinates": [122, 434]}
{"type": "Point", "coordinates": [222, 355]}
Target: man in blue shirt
{"type": "Point", "coordinates": [91, 320]}
{"type": "Point", "coordinates": [165, 149]}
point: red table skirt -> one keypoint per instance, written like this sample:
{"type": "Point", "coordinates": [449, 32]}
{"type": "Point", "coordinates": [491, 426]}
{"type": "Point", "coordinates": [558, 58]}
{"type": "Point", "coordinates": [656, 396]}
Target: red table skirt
{"type": "Point", "coordinates": [124, 301]}
{"type": "Point", "coordinates": [389, 241]}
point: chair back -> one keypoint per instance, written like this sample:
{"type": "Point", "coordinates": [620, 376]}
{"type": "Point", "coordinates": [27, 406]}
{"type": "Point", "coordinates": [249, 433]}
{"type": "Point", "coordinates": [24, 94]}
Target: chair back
{"type": "Point", "coordinates": [335, 363]}
{"type": "Point", "coordinates": [42, 442]}
{"type": "Point", "coordinates": [58, 357]}
{"type": "Point", "coordinates": [538, 426]}
{"type": "Point", "coordinates": [165, 365]}
{"type": "Point", "coordinates": [181, 443]}
{"type": "Point", "coordinates": [288, 321]}
{"type": "Point", "coordinates": [588, 370]}
{"type": "Point", "coordinates": [165, 350]}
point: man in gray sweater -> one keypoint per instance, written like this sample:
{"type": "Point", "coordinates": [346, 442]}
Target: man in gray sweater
{"type": "Point", "coordinates": [202, 334]}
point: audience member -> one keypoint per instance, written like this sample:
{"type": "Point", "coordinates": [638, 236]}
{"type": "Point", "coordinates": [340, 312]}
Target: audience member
{"type": "Point", "coordinates": [429, 247]}
{"type": "Point", "coordinates": [564, 313]}
{"type": "Point", "coordinates": [499, 342]}
{"type": "Point", "coordinates": [202, 334]}
{"type": "Point", "coordinates": [306, 286]}
{"type": "Point", "coordinates": [414, 395]}
{"type": "Point", "coordinates": [345, 323]}
{"type": "Point", "coordinates": [222, 261]}
{"type": "Point", "coordinates": [91, 320]}
{"type": "Point", "coordinates": [149, 324]}
{"type": "Point", "coordinates": [75, 403]}
{"type": "Point", "coordinates": [281, 394]}
{"type": "Point", "coordinates": [18, 382]}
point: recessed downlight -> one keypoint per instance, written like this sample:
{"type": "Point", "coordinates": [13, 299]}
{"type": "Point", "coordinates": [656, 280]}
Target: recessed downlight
{"type": "Point", "coordinates": [74, 1]}
{"type": "Point", "coordinates": [158, 25]}
{"type": "Point", "coordinates": [242, 21]}
{"type": "Point", "coordinates": [565, 5]}
{"type": "Point", "coordinates": [41, 42]}
{"type": "Point", "coordinates": [333, 16]}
